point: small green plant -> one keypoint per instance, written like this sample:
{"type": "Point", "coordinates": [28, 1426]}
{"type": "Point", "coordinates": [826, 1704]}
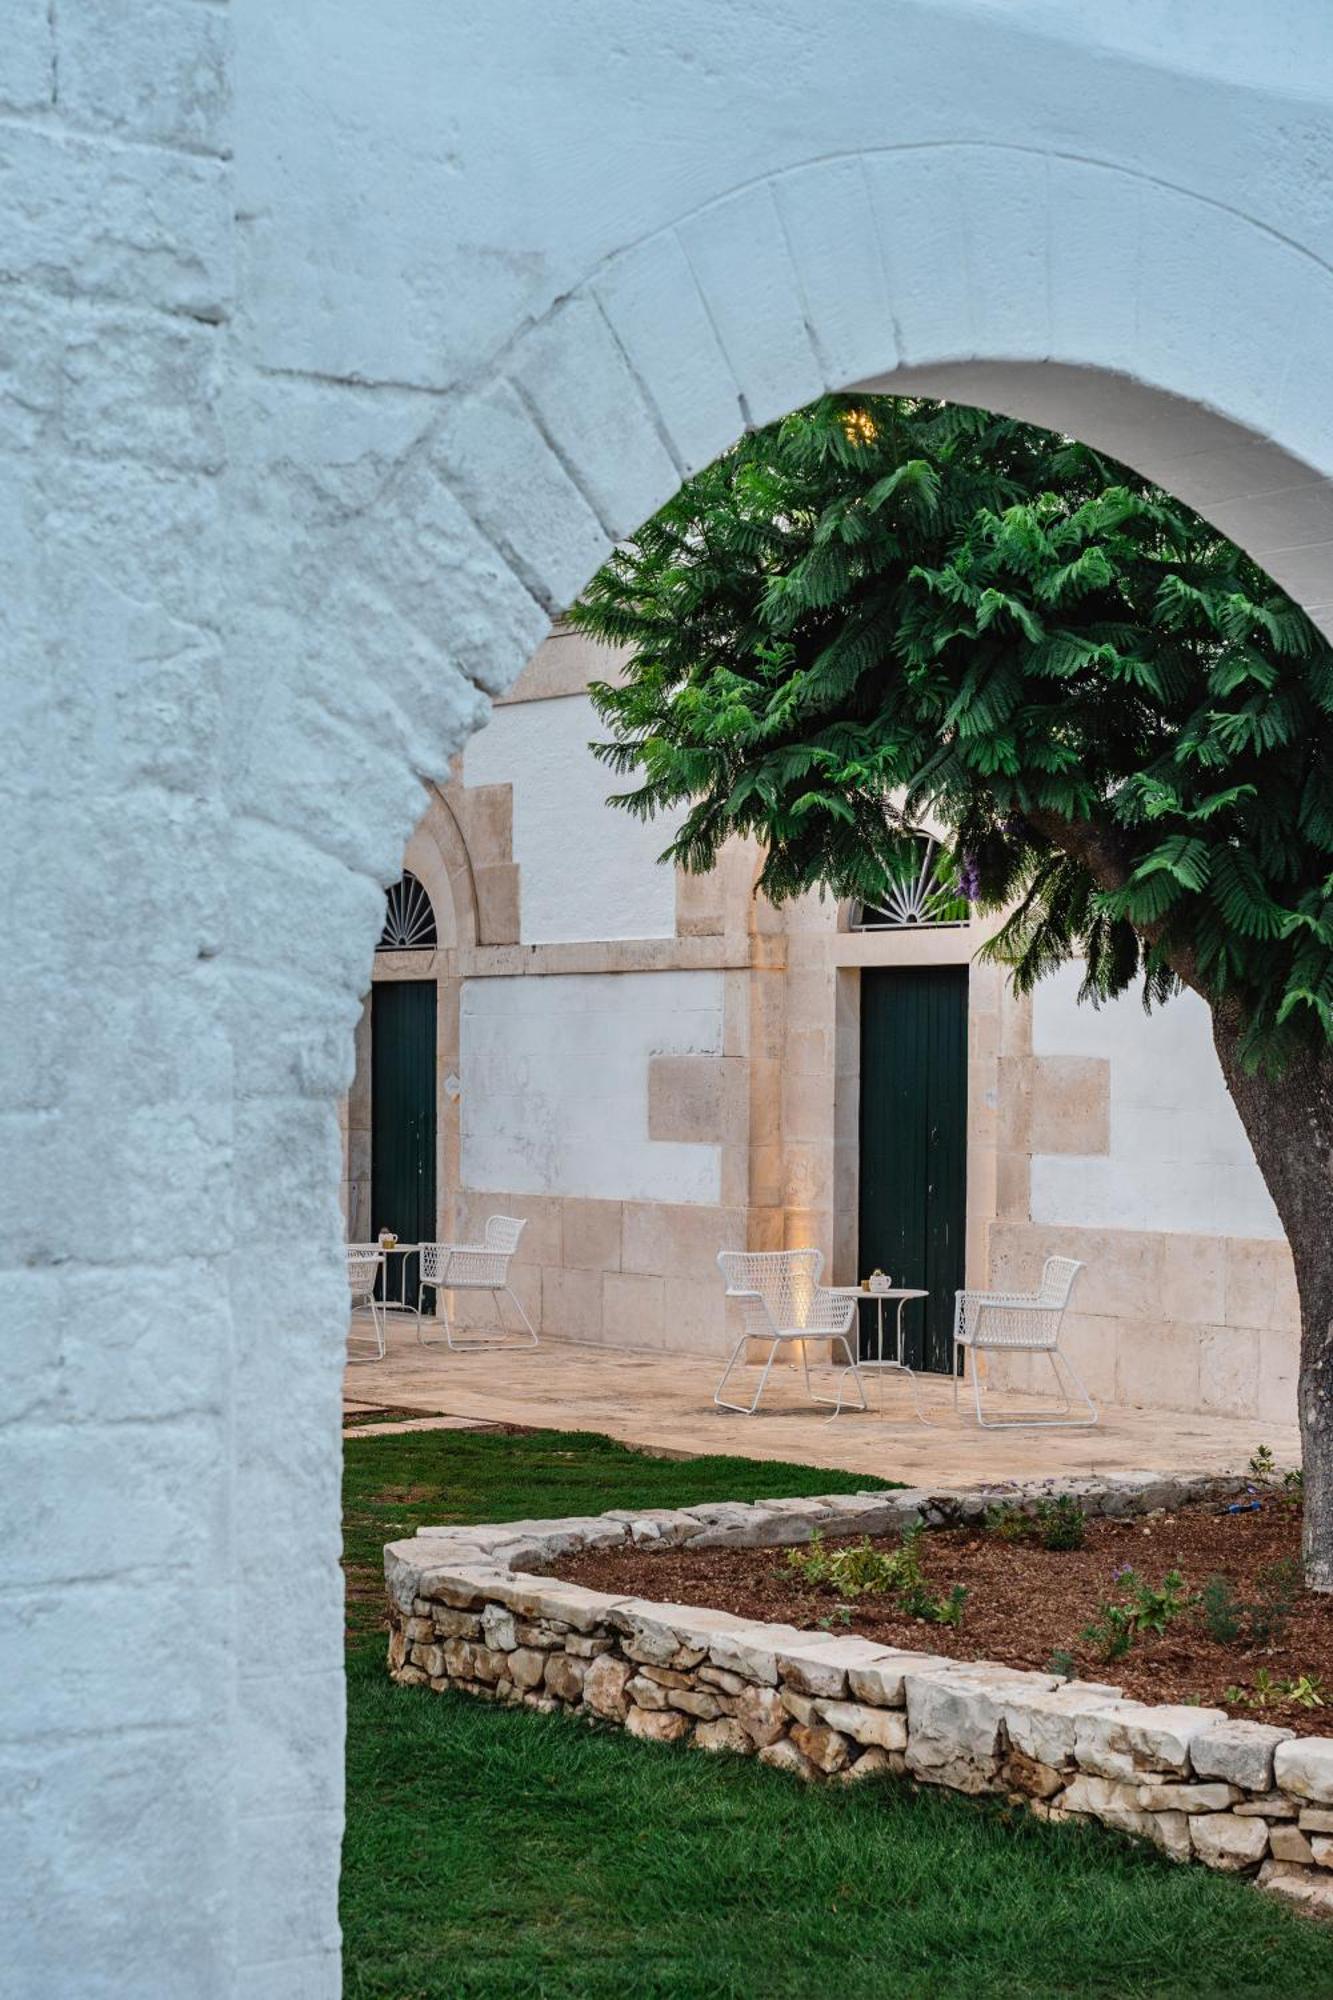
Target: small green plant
{"type": "Point", "coordinates": [1007, 1521]}
{"type": "Point", "coordinates": [1143, 1607]}
{"type": "Point", "coordinates": [812, 1564]}
{"type": "Point", "coordinates": [841, 1615]}
{"type": "Point", "coordinates": [1307, 1691]}
{"type": "Point", "coordinates": [1221, 1611]}
{"type": "Point", "coordinates": [1061, 1522]}
{"type": "Point", "coordinates": [1111, 1631]}
{"type": "Point", "coordinates": [1293, 1489]}
{"type": "Point", "coordinates": [1262, 1463]}
{"type": "Point", "coordinates": [1278, 1585]}
{"type": "Point", "coordinates": [1156, 1606]}
{"type": "Point", "coordinates": [1063, 1663]}
{"type": "Point", "coordinates": [862, 1570]}
{"type": "Point", "coordinates": [1057, 1523]}
{"type": "Point", "coordinates": [915, 1595]}
{"type": "Point", "coordinates": [934, 1610]}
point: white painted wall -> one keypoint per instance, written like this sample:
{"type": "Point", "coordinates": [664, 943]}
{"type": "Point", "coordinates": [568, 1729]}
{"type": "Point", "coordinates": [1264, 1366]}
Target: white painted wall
{"type": "Point", "coordinates": [1179, 1157]}
{"type": "Point", "coordinates": [555, 1083]}
{"type": "Point", "coordinates": [586, 869]}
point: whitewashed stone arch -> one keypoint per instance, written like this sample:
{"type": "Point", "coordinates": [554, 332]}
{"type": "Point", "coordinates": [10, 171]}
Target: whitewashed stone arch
{"type": "Point", "coordinates": [327, 401]}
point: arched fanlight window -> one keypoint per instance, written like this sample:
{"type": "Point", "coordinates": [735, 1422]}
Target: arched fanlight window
{"type": "Point", "coordinates": [409, 920]}
{"type": "Point", "coordinates": [923, 892]}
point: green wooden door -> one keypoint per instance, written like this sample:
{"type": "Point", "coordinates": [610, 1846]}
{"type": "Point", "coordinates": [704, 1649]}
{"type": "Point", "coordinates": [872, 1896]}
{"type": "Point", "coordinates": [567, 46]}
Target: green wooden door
{"type": "Point", "coordinates": [402, 1117]}
{"type": "Point", "coordinates": [913, 1201]}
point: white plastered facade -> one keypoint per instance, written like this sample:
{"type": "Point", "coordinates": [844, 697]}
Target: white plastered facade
{"type": "Point", "coordinates": [339, 346]}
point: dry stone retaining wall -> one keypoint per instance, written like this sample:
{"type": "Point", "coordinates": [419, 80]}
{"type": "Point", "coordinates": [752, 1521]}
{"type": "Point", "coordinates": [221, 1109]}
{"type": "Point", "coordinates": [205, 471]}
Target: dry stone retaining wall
{"type": "Point", "coordinates": [471, 1609]}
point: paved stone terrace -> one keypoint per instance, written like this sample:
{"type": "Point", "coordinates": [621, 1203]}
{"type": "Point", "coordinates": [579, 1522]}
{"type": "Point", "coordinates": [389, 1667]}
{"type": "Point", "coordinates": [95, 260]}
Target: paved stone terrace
{"type": "Point", "coordinates": [663, 1401]}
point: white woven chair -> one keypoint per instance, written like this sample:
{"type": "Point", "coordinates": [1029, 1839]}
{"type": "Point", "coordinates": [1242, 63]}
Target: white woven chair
{"type": "Point", "coordinates": [1023, 1323]}
{"type": "Point", "coordinates": [473, 1267]}
{"type": "Point", "coordinates": [365, 1261]}
{"type": "Point", "coordinates": [781, 1299]}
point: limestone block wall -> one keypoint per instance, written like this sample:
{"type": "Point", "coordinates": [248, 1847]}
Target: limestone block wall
{"type": "Point", "coordinates": [610, 1109]}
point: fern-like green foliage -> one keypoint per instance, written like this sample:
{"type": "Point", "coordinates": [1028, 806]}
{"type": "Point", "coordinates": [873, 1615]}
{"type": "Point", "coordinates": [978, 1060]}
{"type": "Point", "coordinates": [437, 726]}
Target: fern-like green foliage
{"type": "Point", "coordinates": [885, 609]}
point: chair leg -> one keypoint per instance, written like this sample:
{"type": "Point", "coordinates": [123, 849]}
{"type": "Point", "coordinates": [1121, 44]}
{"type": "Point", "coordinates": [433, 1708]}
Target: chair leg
{"type": "Point", "coordinates": [834, 1403]}
{"type": "Point", "coordinates": [841, 1340]}
{"type": "Point", "coordinates": [441, 1313]}
{"type": "Point", "coordinates": [1093, 1416]}
{"type": "Point", "coordinates": [376, 1335]}
{"type": "Point", "coordinates": [485, 1345]}
{"type": "Point", "coordinates": [743, 1409]}
{"type": "Point", "coordinates": [421, 1293]}
{"type": "Point", "coordinates": [518, 1307]}
{"type": "Point", "coordinates": [1063, 1420]}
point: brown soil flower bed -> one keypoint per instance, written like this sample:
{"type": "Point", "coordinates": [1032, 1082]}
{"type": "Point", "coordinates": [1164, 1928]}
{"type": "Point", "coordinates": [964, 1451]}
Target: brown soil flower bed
{"type": "Point", "coordinates": [1025, 1603]}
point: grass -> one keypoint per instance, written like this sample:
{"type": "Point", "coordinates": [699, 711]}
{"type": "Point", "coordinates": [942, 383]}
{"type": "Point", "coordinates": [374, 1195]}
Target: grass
{"type": "Point", "coordinates": [493, 1854]}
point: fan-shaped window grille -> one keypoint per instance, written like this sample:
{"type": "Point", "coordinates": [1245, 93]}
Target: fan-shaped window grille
{"type": "Point", "coordinates": [924, 893]}
{"type": "Point", "coordinates": [409, 920]}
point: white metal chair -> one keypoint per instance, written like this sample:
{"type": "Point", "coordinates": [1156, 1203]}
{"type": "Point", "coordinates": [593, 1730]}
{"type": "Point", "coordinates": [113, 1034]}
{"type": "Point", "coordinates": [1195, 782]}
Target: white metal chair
{"type": "Point", "coordinates": [781, 1299]}
{"type": "Point", "coordinates": [1023, 1322]}
{"type": "Point", "coordinates": [473, 1267]}
{"type": "Point", "coordinates": [365, 1261]}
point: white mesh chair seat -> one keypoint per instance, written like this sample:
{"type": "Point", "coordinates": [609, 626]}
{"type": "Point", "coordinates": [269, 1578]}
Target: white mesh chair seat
{"type": "Point", "coordinates": [474, 1267]}
{"type": "Point", "coordinates": [365, 1261]}
{"type": "Point", "coordinates": [1023, 1322]}
{"type": "Point", "coordinates": [781, 1299]}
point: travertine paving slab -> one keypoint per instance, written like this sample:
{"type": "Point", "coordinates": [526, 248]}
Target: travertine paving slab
{"type": "Point", "coordinates": [663, 1402]}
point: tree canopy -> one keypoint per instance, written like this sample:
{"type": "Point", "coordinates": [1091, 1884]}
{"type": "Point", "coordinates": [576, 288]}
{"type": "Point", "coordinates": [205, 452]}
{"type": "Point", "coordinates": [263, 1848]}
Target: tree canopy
{"type": "Point", "coordinates": [883, 610]}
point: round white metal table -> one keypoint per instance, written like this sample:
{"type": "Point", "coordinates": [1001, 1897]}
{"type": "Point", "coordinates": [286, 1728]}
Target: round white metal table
{"type": "Point", "coordinates": [881, 1364]}
{"type": "Point", "coordinates": [403, 1250]}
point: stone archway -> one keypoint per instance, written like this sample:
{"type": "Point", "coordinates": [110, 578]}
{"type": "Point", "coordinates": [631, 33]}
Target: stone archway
{"type": "Point", "coordinates": [325, 408]}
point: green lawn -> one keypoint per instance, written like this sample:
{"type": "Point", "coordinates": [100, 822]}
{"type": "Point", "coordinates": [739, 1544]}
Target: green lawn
{"type": "Point", "coordinates": [495, 1853]}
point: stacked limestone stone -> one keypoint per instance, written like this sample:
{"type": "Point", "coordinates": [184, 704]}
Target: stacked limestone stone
{"type": "Point", "coordinates": [470, 1609]}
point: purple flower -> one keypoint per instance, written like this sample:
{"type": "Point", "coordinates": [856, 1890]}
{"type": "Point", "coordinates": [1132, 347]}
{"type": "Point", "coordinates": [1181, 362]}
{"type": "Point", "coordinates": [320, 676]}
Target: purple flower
{"type": "Point", "coordinates": [1123, 1570]}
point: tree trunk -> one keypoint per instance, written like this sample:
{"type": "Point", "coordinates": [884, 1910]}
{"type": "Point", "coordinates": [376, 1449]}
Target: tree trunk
{"type": "Point", "coordinates": [1289, 1121]}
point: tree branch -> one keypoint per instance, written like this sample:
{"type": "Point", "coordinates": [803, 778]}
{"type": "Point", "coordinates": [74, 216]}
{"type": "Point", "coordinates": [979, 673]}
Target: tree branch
{"type": "Point", "coordinates": [1099, 849]}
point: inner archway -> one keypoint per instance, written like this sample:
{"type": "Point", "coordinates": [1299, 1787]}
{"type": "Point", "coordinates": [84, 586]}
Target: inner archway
{"type": "Point", "coordinates": [1151, 411]}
